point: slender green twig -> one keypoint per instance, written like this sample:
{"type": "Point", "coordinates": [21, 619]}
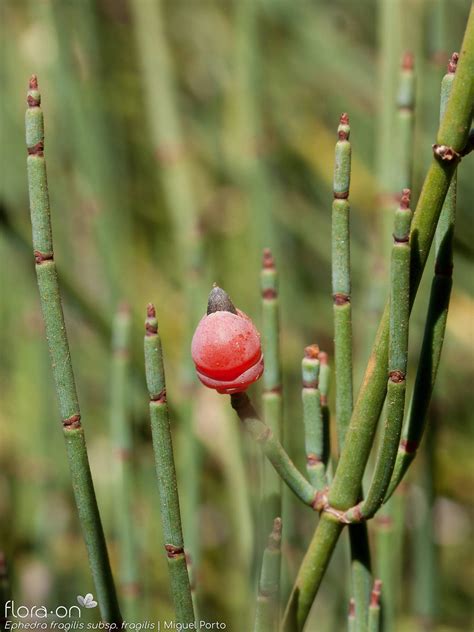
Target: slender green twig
{"type": "Point", "coordinates": [451, 139]}
{"type": "Point", "coordinates": [123, 452]}
{"type": "Point", "coordinates": [405, 123]}
{"type": "Point", "coordinates": [272, 388]}
{"type": "Point", "coordinates": [341, 288]}
{"type": "Point", "coordinates": [266, 615]}
{"type": "Point", "coordinates": [374, 608]}
{"type": "Point", "coordinates": [341, 280]}
{"type": "Point", "coordinates": [436, 318]}
{"type": "Point", "coordinates": [397, 364]}
{"type": "Point", "coordinates": [61, 360]}
{"type": "Point", "coordinates": [272, 448]}
{"type": "Point", "coordinates": [313, 418]}
{"type": "Point", "coordinates": [165, 472]}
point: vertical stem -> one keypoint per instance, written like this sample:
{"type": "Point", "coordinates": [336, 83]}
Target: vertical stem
{"type": "Point", "coordinates": [341, 280]}
{"type": "Point", "coordinates": [272, 393]}
{"type": "Point", "coordinates": [374, 607]}
{"type": "Point", "coordinates": [266, 615]}
{"type": "Point", "coordinates": [121, 432]}
{"type": "Point", "coordinates": [351, 617]}
{"type": "Point", "coordinates": [166, 473]}
{"type": "Point", "coordinates": [4, 591]}
{"type": "Point", "coordinates": [405, 123]}
{"type": "Point", "coordinates": [341, 288]}
{"type": "Point", "coordinates": [61, 360]}
{"type": "Point", "coordinates": [313, 419]}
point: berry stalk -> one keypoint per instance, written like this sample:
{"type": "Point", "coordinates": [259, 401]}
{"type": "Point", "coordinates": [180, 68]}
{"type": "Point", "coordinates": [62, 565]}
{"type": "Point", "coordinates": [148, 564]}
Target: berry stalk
{"type": "Point", "coordinates": [272, 448]}
{"type": "Point", "coordinates": [58, 346]}
{"type": "Point", "coordinates": [166, 473]}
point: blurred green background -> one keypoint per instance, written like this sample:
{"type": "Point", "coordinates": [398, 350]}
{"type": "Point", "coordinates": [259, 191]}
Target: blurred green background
{"type": "Point", "coordinates": [181, 138]}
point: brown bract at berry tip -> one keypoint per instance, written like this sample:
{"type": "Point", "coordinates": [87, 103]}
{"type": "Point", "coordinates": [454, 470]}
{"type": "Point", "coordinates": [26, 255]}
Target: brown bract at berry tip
{"type": "Point", "coordinates": [311, 352]}
{"type": "Point", "coordinates": [219, 301]}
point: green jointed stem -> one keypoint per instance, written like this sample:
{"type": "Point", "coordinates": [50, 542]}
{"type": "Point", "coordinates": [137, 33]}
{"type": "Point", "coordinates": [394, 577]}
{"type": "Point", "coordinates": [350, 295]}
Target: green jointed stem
{"type": "Point", "coordinates": [374, 608]}
{"type": "Point", "coordinates": [313, 419]}
{"type": "Point", "coordinates": [436, 318]}
{"type": "Point", "coordinates": [165, 472]}
{"type": "Point", "coordinates": [272, 448]}
{"type": "Point", "coordinates": [341, 288]}
{"type": "Point", "coordinates": [405, 123]}
{"type": "Point", "coordinates": [351, 618]}
{"type": "Point", "coordinates": [272, 393]}
{"type": "Point", "coordinates": [452, 137]}
{"type": "Point", "coordinates": [397, 364]}
{"type": "Point", "coordinates": [61, 361]}
{"type": "Point", "coordinates": [121, 433]}
{"type": "Point", "coordinates": [266, 615]}
{"type": "Point", "coordinates": [341, 279]}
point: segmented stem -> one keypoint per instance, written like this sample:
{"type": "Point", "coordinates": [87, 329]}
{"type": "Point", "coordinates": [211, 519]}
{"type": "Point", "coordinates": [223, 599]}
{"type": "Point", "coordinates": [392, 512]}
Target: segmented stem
{"type": "Point", "coordinates": [121, 433]}
{"type": "Point", "coordinates": [397, 364]}
{"type": "Point", "coordinates": [313, 418]}
{"type": "Point", "coordinates": [341, 279]}
{"type": "Point", "coordinates": [166, 473]}
{"type": "Point", "coordinates": [452, 137]}
{"type": "Point", "coordinates": [58, 345]}
{"type": "Point", "coordinates": [272, 389]}
{"type": "Point", "coordinates": [266, 615]}
{"type": "Point", "coordinates": [436, 317]}
{"type": "Point", "coordinates": [272, 448]}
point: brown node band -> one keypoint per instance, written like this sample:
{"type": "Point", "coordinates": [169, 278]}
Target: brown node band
{"type": "Point", "coordinates": [341, 299]}
{"type": "Point", "coordinates": [72, 422]}
{"type": "Point", "coordinates": [276, 390]}
{"type": "Point", "coordinates": [401, 240]}
{"type": "Point", "coordinates": [32, 102]}
{"type": "Point", "coordinates": [36, 150]}
{"type": "Point", "coordinates": [41, 257]}
{"type": "Point", "coordinates": [313, 459]}
{"type": "Point", "coordinates": [445, 153]}
{"type": "Point", "coordinates": [173, 551]}
{"type": "Point", "coordinates": [160, 397]}
{"type": "Point", "coordinates": [341, 196]}
{"type": "Point", "coordinates": [396, 376]}
{"type": "Point", "coordinates": [269, 293]}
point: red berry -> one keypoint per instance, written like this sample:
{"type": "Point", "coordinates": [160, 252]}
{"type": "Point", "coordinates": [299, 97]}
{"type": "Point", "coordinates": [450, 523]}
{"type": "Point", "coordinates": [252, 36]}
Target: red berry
{"type": "Point", "coordinates": [226, 347]}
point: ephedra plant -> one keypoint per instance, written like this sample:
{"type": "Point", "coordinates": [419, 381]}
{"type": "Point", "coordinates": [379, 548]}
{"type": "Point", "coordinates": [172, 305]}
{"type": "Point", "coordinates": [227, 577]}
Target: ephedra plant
{"type": "Point", "coordinates": [228, 354]}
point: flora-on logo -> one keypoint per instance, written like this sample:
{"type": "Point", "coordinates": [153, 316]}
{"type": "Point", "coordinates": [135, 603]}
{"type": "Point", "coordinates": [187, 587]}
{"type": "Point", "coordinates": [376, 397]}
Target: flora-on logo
{"type": "Point", "coordinates": [87, 601]}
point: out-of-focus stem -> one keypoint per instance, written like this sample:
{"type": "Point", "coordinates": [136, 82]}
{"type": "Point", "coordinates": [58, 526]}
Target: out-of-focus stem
{"type": "Point", "coordinates": [166, 473]}
{"type": "Point", "coordinates": [267, 612]}
{"type": "Point", "coordinates": [58, 345]}
{"type": "Point", "coordinates": [121, 433]}
{"type": "Point", "coordinates": [272, 388]}
{"type": "Point", "coordinates": [4, 591]}
{"type": "Point", "coordinates": [351, 617]}
{"type": "Point", "coordinates": [374, 607]}
{"type": "Point", "coordinates": [405, 123]}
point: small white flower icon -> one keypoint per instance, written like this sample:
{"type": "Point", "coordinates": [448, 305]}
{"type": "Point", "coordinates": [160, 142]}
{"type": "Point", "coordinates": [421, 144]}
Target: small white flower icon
{"type": "Point", "coordinates": [87, 601]}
